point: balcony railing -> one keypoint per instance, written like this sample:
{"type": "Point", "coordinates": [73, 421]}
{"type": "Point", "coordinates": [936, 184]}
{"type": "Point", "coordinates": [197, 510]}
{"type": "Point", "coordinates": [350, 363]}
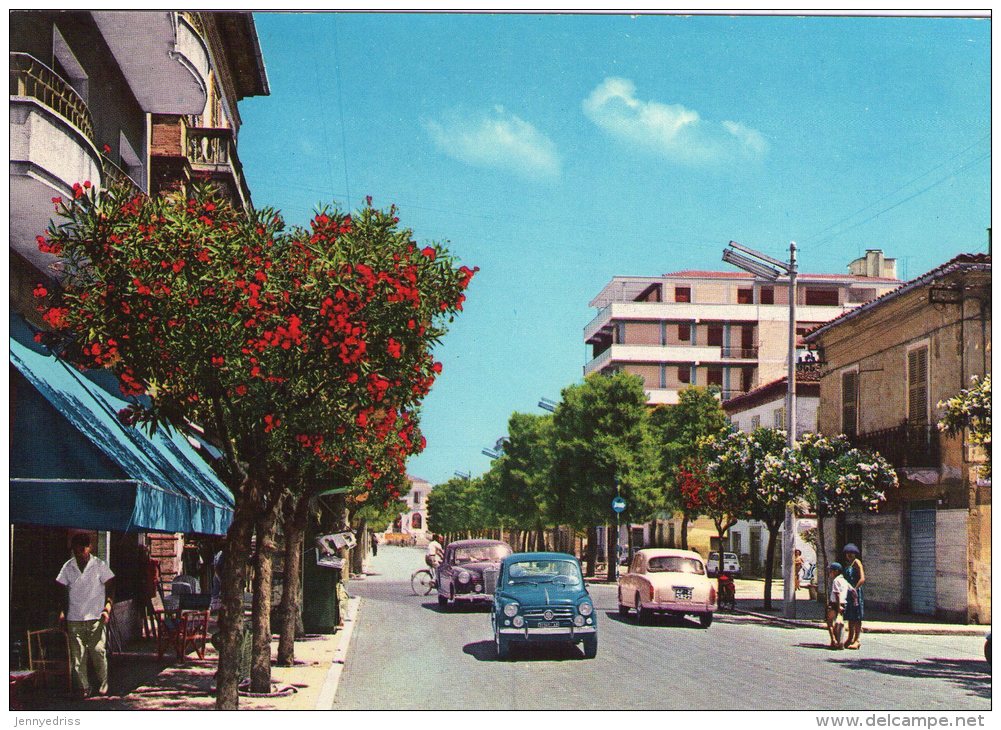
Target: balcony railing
{"type": "Point", "coordinates": [31, 78]}
{"type": "Point", "coordinates": [114, 176]}
{"type": "Point", "coordinates": [215, 148]}
{"type": "Point", "coordinates": [740, 353]}
{"type": "Point", "coordinates": [903, 446]}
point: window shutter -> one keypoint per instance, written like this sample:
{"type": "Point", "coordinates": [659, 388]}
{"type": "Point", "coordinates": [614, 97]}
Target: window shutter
{"type": "Point", "coordinates": [917, 386]}
{"type": "Point", "coordinates": [849, 403]}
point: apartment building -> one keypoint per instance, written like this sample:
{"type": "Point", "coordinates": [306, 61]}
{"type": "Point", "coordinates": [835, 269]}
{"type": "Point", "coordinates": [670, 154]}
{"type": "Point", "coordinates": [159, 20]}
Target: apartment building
{"type": "Point", "coordinates": [718, 328]}
{"type": "Point", "coordinates": [886, 367]}
{"type": "Point", "coordinates": [89, 93]}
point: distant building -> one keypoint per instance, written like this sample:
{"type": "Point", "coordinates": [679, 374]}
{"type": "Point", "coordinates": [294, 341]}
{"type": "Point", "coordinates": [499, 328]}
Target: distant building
{"type": "Point", "coordinates": [722, 328]}
{"type": "Point", "coordinates": [413, 522]}
{"type": "Point", "coordinates": [886, 367]}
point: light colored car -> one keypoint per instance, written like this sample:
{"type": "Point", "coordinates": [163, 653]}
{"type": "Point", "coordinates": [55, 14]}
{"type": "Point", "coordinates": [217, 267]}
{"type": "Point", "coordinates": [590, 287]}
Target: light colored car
{"type": "Point", "coordinates": [731, 564]}
{"type": "Point", "coordinates": [664, 580]}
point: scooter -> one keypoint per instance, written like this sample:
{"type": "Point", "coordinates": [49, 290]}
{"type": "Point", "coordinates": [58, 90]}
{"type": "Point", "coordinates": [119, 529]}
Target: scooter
{"type": "Point", "coordinates": [727, 591]}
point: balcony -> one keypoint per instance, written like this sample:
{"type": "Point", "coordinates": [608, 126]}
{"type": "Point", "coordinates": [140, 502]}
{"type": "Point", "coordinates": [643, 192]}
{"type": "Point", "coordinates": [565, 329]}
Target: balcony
{"type": "Point", "coordinates": [739, 353]}
{"type": "Point", "coordinates": [116, 176]}
{"type": "Point", "coordinates": [52, 147]}
{"type": "Point", "coordinates": [162, 56]}
{"type": "Point", "coordinates": [652, 354]}
{"type": "Point", "coordinates": [706, 312]}
{"type": "Point", "coordinates": [212, 154]}
{"type": "Point", "coordinates": [904, 446]}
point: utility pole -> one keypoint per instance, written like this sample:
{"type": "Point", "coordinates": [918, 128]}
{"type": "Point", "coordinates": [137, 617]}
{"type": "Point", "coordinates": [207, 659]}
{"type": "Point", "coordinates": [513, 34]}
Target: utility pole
{"type": "Point", "coordinates": [769, 268]}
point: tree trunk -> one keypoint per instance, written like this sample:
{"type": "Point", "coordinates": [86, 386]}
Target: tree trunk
{"type": "Point", "coordinates": [592, 551]}
{"type": "Point", "coordinates": [260, 667]}
{"type": "Point", "coordinates": [773, 530]}
{"type": "Point", "coordinates": [234, 576]}
{"type": "Point", "coordinates": [540, 539]}
{"type": "Point", "coordinates": [291, 605]}
{"type": "Point", "coordinates": [360, 550]}
{"type": "Point", "coordinates": [823, 580]}
{"type": "Point", "coordinates": [684, 532]}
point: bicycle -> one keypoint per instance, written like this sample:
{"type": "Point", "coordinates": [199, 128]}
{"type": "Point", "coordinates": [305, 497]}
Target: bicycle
{"type": "Point", "coordinates": [422, 581]}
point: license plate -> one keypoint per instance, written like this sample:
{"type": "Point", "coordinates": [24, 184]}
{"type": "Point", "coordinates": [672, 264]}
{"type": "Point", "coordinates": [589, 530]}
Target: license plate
{"type": "Point", "coordinates": [683, 594]}
{"type": "Point", "coordinates": [548, 624]}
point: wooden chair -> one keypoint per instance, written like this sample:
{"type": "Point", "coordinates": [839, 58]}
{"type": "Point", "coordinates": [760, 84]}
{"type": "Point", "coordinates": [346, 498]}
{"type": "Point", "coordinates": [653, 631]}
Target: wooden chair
{"type": "Point", "coordinates": [49, 656]}
{"type": "Point", "coordinates": [184, 630]}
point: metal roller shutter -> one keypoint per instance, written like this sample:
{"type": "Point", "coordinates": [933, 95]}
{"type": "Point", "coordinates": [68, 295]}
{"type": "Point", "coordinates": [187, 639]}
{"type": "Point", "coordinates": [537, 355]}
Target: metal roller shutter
{"type": "Point", "coordinates": [923, 561]}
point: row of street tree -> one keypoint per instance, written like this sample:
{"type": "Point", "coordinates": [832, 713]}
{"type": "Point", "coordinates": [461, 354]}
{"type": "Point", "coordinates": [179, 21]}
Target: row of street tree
{"type": "Point", "coordinates": [303, 352]}
{"type": "Point", "coordinates": [564, 469]}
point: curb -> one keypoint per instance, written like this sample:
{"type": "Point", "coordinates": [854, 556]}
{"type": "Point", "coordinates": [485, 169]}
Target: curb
{"type": "Point", "coordinates": [875, 627]}
{"type": "Point", "coordinates": [325, 701]}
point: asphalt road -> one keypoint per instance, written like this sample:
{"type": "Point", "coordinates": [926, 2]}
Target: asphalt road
{"type": "Point", "coordinates": [408, 654]}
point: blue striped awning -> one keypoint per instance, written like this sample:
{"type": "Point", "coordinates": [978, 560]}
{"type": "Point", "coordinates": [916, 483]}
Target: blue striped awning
{"type": "Point", "coordinates": [74, 464]}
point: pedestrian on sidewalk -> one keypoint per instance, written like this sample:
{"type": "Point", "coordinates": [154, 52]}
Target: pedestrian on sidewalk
{"type": "Point", "coordinates": [797, 565]}
{"type": "Point", "coordinates": [375, 544]}
{"type": "Point", "coordinates": [836, 605]}
{"type": "Point", "coordinates": [855, 606]}
{"type": "Point", "coordinates": [86, 612]}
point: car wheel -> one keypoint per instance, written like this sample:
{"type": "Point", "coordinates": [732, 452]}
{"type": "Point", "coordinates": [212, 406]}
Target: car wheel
{"type": "Point", "coordinates": [641, 615]}
{"type": "Point", "coordinates": [706, 619]}
{"type": "Point", "coordinates": [591, 646]}
{"type": "Point", "coordinates": [623, 608]}
{"type": "Point", "coordinates": [503, 646]}
{"type": "Point", "coordinates": [442, 601]}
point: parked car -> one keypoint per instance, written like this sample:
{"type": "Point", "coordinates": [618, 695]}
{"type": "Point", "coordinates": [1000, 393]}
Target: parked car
{"type": "Point", "coordinates": [468, 571]}
{"type": "Point", "coordinates": [731, 564]}
{"type": "Point", "coordinates": [664, 580]}
{"type": "Point", "coordinates": [541, 597]}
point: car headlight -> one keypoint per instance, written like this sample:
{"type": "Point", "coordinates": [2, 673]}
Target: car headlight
{"type": "Point", "coordinates": [578, 620]}
{"type": "Point", "coordinates": [585, 608]}
{"type": "Point", "coordinates": [518, 622]}
{"type": "Point", "coordinates": [463, 577]}
{"type": "Point", "coordinates": [511, 609]}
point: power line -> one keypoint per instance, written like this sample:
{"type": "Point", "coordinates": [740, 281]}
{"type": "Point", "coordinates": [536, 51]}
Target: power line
{"type": "Point", "coordinates": [905, 200]}
{"type": "Point", "coordinates": [897, 190]}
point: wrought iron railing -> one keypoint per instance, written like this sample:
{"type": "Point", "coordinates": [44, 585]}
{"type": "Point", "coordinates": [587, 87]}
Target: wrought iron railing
{"type": "Point", "coordinates": [214, 147]}
{"type": "Point", "coordinates": [31, 78]}
{"type": "Point", "coordinates": [905, 445]}
{"type": "Point", "coordinates": [741, 353]}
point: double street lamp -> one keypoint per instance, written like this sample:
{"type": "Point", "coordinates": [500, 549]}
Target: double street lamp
{"type": "Point", "coordinates": [766, 267]}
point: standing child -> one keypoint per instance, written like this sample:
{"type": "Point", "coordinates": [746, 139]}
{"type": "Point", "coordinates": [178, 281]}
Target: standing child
{"type": "Point", "coordinates": [836, 605]}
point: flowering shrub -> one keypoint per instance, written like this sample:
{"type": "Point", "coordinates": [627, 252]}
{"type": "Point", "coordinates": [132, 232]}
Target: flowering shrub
{"type": "Point", "coordinates": [971, 410]}
{"type": "Point", "coordinates": [279, 338]}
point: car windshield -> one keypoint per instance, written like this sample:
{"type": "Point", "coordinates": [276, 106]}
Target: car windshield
{"type": "Point", "coordinates": [561, 572]}
{"type": "Point", "coordinates": [480, 554]}
{"type": "Point", "coordinates": [675, 564]}
{"type": "Point", "coordinates": [726, 556]}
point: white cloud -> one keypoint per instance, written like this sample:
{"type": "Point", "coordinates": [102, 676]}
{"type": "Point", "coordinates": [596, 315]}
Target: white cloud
{"type": "Point", "coordinates": [673, 130]}
{"type": "Point", "coordinates": [496, 139]}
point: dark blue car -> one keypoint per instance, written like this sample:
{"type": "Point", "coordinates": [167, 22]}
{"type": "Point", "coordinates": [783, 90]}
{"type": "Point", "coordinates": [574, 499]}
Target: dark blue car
{"type": "Point", "coordinates": [541, 597]}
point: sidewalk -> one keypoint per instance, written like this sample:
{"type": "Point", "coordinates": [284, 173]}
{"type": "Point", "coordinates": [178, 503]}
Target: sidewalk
{"type": "Point", "coordinates": [139, 681]}
{"type": "Point", "coordinates": [810, 614]}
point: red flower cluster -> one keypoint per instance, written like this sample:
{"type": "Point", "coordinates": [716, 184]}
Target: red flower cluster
{"type": "Point", "coordinates": [45, 247]}
{"type": "Point", "coordinates": [40, 291]}
{"type": "Point", "coordinates": [271, 423]}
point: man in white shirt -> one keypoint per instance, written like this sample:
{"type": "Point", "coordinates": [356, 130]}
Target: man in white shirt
{"type": "Point", "coordinates": [836, 605]}
{"type": "Point", "coordinates": [435, 553]}
{"type": "Point", "coordinates": [87, 610]}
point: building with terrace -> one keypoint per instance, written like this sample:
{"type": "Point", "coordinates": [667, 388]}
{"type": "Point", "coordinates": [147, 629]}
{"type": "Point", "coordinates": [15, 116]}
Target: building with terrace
{"type": "Point", "coordinates": [92, 97]}
{"type": "Point", "coordinates": [726, 329]}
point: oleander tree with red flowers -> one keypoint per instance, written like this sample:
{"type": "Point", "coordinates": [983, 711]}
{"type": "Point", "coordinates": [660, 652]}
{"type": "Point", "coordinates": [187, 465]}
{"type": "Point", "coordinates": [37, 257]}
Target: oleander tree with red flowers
{"type": "Point", "coordinates": [291, 345]}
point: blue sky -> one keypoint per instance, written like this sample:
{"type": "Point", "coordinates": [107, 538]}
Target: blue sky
{"type": "Point", "coordinates": [557, 151]}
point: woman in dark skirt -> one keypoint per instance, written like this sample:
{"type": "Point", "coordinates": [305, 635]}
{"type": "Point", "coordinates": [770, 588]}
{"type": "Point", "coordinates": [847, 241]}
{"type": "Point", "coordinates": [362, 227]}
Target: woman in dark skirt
{"type": "Point", "coordinates": [855, 606]}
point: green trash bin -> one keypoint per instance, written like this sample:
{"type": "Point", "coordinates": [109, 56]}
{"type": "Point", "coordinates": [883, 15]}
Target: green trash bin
{"type": "Point", "coordinates": [320, 610]}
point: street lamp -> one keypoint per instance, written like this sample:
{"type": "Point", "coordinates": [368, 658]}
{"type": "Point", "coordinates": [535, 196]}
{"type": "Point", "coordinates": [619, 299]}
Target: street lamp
{"type": "Point", "coordinates": [768, 268]}
{"type": "Point", "coordinates": [548, 405]}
